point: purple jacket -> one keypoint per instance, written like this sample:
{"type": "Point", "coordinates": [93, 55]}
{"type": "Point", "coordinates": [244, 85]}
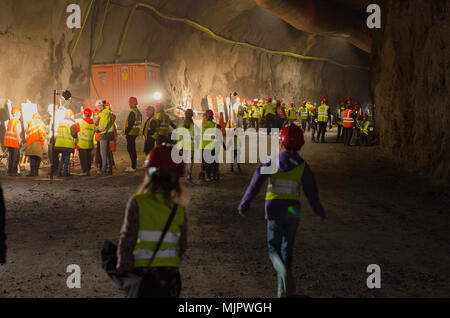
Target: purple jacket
{"type": "Point", "coordinates": [278, 209]}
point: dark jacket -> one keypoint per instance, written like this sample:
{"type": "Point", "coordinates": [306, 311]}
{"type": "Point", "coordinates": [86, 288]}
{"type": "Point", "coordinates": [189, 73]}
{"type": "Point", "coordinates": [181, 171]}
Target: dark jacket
{"type": "Point", "coordinates": [2, 229]}
{"type": "Point", "coordinates": [130, 123]}
{"type": "Point", "coordinates": [278, 209]}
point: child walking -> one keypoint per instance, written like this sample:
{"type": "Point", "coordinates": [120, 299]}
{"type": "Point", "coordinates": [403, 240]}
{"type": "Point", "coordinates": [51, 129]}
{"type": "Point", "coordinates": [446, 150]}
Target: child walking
{"type": "Point", "coordinates": [147, 215]}
{"type": "Point", "coordinates": [282, 205]}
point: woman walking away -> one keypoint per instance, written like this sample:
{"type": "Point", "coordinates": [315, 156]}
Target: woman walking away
{"type": "Point", "coordinates": [283, 203]}
{"type": "Point", "coordinates": [152, 215]}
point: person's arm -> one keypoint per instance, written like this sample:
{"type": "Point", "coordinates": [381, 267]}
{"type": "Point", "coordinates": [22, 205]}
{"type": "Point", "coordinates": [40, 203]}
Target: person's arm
{"type": "Point", "coordinates": [311, 191]}
{"type": "Point", "coordinates": [152, 128]}
{"type": "Point", "coordinates": [252, 190]}
{"type": "Point", "coordinates": [2, 229]}
{"type": "Point", "coordinates": [128, 238]}
{"type": "Point", "coordinates": [73, 131]}
{"type": "Point", "coordinates": [131, 120]}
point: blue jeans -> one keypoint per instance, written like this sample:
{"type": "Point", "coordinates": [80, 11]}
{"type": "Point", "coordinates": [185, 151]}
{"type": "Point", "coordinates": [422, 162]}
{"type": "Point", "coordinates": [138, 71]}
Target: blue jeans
{"type": "Point", "coordinates": [64, 162]}
{"type": "Point", "coordinates": [281, 239]}
{"type": "Point", "coordinates": [106, 154]}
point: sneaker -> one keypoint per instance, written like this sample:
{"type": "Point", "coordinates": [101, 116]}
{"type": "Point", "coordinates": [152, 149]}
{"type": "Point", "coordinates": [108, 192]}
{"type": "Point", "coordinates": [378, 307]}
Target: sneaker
{"type": "Point", "coordinates": [130, 170]}
{"type": "Point", "coordinates": [208, 179]}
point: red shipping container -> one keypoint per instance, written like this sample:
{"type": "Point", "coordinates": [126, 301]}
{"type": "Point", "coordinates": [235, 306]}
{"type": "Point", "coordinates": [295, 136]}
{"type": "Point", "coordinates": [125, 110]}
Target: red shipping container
{"type": "Point", "coordinates": [116, 83]}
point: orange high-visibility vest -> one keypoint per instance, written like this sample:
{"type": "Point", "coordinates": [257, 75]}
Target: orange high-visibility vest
{"type": "Point", "coordinates": [34, 133]}
{"type": "Point", "coordinates": [10, 136]}
{"type": "Point", "coordinates": [348, 120]}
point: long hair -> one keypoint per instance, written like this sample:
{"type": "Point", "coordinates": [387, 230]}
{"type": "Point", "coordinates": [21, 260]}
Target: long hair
{"type": "Point", "coordinates": [163, 183]}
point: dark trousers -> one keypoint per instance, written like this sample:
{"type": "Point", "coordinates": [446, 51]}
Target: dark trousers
{"type": "Point", "coordinates": [322, 131]}
{"type": "Point", "coordinates": [13, 160]}
{"type": "Point", "coordinates": [270, 122]}
{"type": "Point", "coordinates": [211, 169]}
{"type": "Point", "coordinates": [97, 156]}
{"type": "Point", "coordinates": [85, 159]}
{"type": "Point", "coordinates": [149, 145]}
{"type": "Point", "coordinates": [313, 133]}
{"type": "Point", "coordinates": [159, 282]}
{"type": "Point", "coordinates": [348, 133]}
{"type": "Point", "coordinates": [236, 157]}
{"type": "Point", "coordinates": [340, 134]}
{"type": "Point", "coordinates": [64, 163]}
{"type": "Point", "coordinates": [303, 123]}
{"type": "Point", "coordinates": [35, 162]}
{"type": "Point", "coordinates": [364, 140]}
{"type": "Point", "coordinates": [131, 148]}
{"type": "Point", "coordinates": [308, 122]}
{"type": "Point", "coordinates": [254, 123]}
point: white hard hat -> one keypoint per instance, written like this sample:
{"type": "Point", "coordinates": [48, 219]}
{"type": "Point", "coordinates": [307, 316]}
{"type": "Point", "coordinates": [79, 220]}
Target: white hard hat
{"type": "Point", "coordinates": [99, 103]}
{"type": "Point", "coordinates": [261, 101]}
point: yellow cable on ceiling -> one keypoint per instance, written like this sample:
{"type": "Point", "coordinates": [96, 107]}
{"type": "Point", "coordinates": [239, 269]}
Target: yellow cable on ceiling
{"type": "Point", "coordinates": [219, 38]}
{"type": "Point", "coordinates": [101, 29]}
{"type": "Point", "coordinates": [82, 28]}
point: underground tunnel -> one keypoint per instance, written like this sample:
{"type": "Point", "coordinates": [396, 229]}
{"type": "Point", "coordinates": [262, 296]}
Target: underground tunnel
{"type": "Point", "coordinates": [376, 76]}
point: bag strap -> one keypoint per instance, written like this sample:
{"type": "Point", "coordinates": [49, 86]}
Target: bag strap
{"type": "Point", "coordinates": [166, 228]}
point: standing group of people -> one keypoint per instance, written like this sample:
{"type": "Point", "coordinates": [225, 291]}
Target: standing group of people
{"type": "Point", "coordinates": [352, 121]}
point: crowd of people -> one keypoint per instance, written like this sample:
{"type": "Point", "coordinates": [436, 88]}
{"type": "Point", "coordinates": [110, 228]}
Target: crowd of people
{"type": "Point", "coordinates": [348, 116]}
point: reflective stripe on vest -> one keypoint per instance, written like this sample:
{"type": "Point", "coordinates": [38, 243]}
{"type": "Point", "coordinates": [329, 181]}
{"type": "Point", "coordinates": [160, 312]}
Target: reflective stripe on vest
{"type": "Point", "coordinates": [105, 125]}
{"type": "Point", "coordinates": [255, 112]}
{"type": "Point", "coordinates": [164, 123]}
{"type": "Point", "coordinates": [348, 120]}
{"type": "Point", "coordinates": [136, 130]}
{"type": "Point", "coordinates": [323, 113]}
{"type": "Point", "coordinates": [291, 113]}
{"type": "Point", "coordinates": [33, 133]}
{"type": "Point", "coordinates": [207, 138]}
{"type": "Point", "coordinates": [64, 138]}
{"type": "Point", "coordinates": [303, 113]}
{"type": "Point", "coordinates": [185, 137]}
{"type": "Point", "coordinates": [145, 133]}
{"type": "Point", "coordinates": [10, 135]}
{"type": "Point", "coordinates": [269, 109]}
{"type": "Point", "coordinates": [365, 127]}
{"type": "Point", "coordinates": [153, 215]}
{"type": "Point", "coordinates": [285, 185]}
{"type": "Point", "coordinates": [86, 135]}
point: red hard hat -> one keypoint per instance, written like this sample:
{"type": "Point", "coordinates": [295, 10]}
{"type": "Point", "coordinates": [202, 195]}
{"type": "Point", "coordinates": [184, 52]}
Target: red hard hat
{"type": "Point", "coordinates": [283, 104]}
{"type": "Point", "coordinates": [359, 117]}
{"type": "Point", "coordinates": [349, 98]}
{"type": "Point", "coordinates": [343, 104]}
{"type": "Point", "coordinates": [253, 102]}
{"type": "Point", "coordinates": [209, 113]}
{"type": "Point", "coordinates": [325, 100]}
{"type": "Point", "coordinates": [314, 110]}
{"type": "Point", "coordinates": [15, 110]}
{"type": "Point", "coordinates": [133, 100]}
{"type": "Point", "coordinates": [365, 116]}
{"type": "Point", "coordinates": [189, 112]}
{"type": "Point", "coordinates": [96, 111]}
{"type": "Point", "coordinates": [356, 103]}
{"type": "Point", "coordinates": [87, 112]}
{"type": "Point", "coordinates": [292, 137]}
{"type": "Point", "coordinates": [291, 103]}
{"type": "Point", "coordinates": [304, 103]}
{"type": "Point", "coordinates": [267, 100]}
{"type": "Point", "coordinates": [270, 100]}
{"type": "Point", "coordinates": [161, 159]}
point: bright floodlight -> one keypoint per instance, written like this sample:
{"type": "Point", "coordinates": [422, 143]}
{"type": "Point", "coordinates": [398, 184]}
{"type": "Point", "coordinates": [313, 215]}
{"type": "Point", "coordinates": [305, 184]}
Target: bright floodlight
{"type": "Point", "coordinates": [157, 96]}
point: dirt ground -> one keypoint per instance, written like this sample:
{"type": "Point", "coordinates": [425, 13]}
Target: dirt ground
{"type": "Point", "coordinates": [376, 215]}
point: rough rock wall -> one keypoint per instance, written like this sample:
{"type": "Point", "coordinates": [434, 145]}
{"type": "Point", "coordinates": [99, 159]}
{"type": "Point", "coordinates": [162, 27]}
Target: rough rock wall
{"type": "Point", "coordinates": [410, 83]}
{"type": "Point", "coordinates": [195, 65]}
{"type": "Point", "coordinates": [35, 44]}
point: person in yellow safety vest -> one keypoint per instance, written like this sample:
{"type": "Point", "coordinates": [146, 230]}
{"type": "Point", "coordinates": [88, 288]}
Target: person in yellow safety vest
{"type": "Point", "coordinates": [105, 129]}
{"type": "Point", "coordinates": [208, 146]}
{"type": "Point", "coordinates": [35, 140]}
{"type": "Point", "coordinates": [85, 143]}
{"type": "Point", "coordinates": [282, 203]}
{"type": "Point", "coordinates": [148, 213]}
{"type": "Point", "coordinates": [240, 112]}
{"type": "Point", "coordinates": [13, 141]}
{"type": "Point", "coordinates": [291, 113]}
{"type": "Point", "coordinates": [365, 129]}
{"type": "Point", "coordinates": [149, 129]}
{"type": "Point", "coordinates": [304, 115]}
{"type": "Point", "coordinates": [163, 122]}
{"type": "Point", "coordinates": [236, 146]}
{"type": "Point", "coordinates": [309, 105]}
{"type": "Point", "coordinates": [132, 130]}
{"type": "Point", "coordinates": [324, 117]}
{"type": "Point", "coordinates": [187, 133]}
{"type": "Point", "coordinates": [254, 120]}
{"type": "Point", "coordinates": [339, 119]}
{"type": "Point", "coordinates": [269, 114]}
{"type": "Point", "coordinates": [65, 142]}
{"type": "Point", "coordinates": [246, 117]}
